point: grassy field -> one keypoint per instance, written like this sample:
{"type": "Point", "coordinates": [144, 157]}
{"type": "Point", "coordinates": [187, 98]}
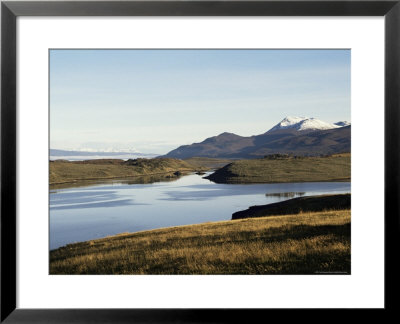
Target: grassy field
{"type": "Point", "coordinates": [304, 243]}
{"type": "Point", "coordinates": [65, 171]}
{"type": "Point", "coordinates": [287, 169]}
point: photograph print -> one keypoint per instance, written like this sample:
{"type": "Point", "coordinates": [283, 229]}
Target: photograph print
{"type": "Point", "coordinates": [200, 161]}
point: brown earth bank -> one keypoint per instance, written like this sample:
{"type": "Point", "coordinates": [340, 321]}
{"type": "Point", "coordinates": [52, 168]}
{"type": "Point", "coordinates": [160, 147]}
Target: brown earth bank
{"type": "Point", "coordinates": [279, 168]}
{"type": "Point", "coordinates": [298, 205]}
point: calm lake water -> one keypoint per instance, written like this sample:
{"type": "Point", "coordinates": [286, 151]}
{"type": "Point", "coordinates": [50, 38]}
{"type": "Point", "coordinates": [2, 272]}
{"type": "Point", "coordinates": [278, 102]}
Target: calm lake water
{"type": "Point", "coordinates": [95, 211]}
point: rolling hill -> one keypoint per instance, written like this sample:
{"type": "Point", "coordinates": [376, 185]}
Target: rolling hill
{"type": "Point", "coordinates": [293, 135]}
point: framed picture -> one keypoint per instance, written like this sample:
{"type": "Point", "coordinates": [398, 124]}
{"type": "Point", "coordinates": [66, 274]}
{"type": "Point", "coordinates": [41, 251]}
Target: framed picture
{"type": "Point", "coordinates": [196, 151]}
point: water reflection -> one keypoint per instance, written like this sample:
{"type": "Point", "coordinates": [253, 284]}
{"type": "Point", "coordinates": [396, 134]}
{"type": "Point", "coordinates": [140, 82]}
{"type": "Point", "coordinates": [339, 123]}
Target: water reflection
{"type": "Point", "coordinates": [100, 209]}
{"type": "Point", "coordinates": [285, 194]}
{"type": "Point", "coordinates": [168, 177]}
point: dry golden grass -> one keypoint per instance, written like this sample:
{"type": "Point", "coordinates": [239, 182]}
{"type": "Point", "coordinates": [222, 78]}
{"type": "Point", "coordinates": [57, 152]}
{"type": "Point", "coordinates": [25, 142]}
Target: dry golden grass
{"type": "Point", "coordinates": [292, 244]}
{"type": "Point", "coordinates": [302, 169]}
{"type": "Point", "coordinates": [64, 171]}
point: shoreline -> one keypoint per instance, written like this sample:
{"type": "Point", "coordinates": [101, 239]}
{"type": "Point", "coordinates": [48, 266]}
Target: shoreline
{"type": "Point", "coordinates": [275, 182]}
{"type": "Point", "coordinates": [120, 178]}
{"type": "Point", "coordinates": [287, 207]}
{"type": "Point", "coordinates": [286, 170]}
{"type": "Point", "coordinates": [297, 206]}
{"type": "Point", "coordinates": [64, 172]}
{"type": "Point", "coordinates": [191, 171]}
{"type": "Point", "coordinates": [295, 243]}
{"type": "Point", "coordinates": [266, 170]}
{"type": "Point", "coordinates": [167, 228]}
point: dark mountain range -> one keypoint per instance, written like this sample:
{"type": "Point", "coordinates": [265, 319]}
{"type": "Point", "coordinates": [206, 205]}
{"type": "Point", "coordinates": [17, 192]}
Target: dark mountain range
{"type": "Point", "coordinates": [309, 142]}
{"type": "Point", "coordinates": [223, 145]}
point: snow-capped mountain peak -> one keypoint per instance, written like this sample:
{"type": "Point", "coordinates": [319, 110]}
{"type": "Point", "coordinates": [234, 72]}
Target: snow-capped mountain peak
{"type": "Point", "coordinates": [304, 123]}
{"type": "Point", "coordinates": [290, 121]}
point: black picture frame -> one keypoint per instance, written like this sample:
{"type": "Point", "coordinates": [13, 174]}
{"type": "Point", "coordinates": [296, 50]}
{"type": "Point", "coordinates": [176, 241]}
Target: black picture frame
{"type": "Point", "coordinates": [10, 10]}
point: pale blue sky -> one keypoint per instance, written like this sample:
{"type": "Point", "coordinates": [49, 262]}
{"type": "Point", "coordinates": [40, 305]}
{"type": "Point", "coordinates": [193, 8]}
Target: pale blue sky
{"type": "Point", "coordinates": [155, 100]}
